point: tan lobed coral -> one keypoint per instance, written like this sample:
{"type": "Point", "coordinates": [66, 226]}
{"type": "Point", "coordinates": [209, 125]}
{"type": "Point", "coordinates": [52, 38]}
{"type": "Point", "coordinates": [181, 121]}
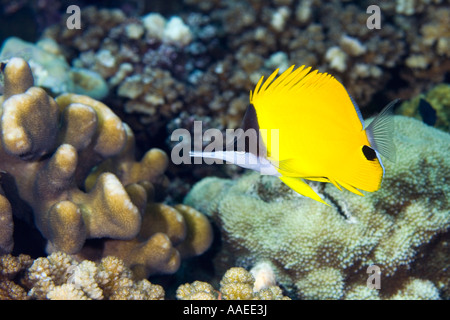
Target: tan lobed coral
{"type": "Point", "coordinates": [71, 160]}
{"type": "Point", "coordinates": [236, 284]}
{"type": "Point", "coordinates": [61, 277]}
{"type": "Point", "coordinates": [6, 225]}
{"type": "Point", "coordinates": [167, 235]}
{"type": "Point", "coordinates": [322, 252]}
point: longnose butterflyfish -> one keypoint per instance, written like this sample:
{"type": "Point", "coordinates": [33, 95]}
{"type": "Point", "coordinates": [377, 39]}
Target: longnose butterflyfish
{"type": "Point", "coordinates": [309, 128]}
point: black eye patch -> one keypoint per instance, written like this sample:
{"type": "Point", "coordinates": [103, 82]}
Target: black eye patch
{"type": "Point", "coordinates": [369, 153]}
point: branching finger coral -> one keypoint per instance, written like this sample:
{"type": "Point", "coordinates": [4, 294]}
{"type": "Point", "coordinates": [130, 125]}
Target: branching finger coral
{"type": "Point", "coordinates": [71, 160]}
{"type": "Point", "coordinates": [29, 130]}
{"type": "Point", "coordinates": [167, 235]}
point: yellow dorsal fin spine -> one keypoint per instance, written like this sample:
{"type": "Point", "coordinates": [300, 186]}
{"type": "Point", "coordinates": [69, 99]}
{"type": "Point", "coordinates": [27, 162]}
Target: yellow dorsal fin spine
{"type": "Point", "coordinates": [298, 77]}
{"type": "Point", "coordinates": [267, 82]}
{"type": "Point", "coordinates": [312, 79]}
{"type": "Point", "coordinates": [279, 81]}
{"type": "Point", "coordinates": [283, 79]}
{"type": "Point", "coordinates": [292, 80]}
{"type": "Point", "coordinates": [255, 92]}
{"type": "Point", "coordinates": [288, 80]}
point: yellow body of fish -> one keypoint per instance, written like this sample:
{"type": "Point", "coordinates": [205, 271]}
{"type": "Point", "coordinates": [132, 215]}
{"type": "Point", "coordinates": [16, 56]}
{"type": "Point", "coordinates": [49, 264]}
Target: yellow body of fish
{"type": "Point", "coordinates": [321, 134]}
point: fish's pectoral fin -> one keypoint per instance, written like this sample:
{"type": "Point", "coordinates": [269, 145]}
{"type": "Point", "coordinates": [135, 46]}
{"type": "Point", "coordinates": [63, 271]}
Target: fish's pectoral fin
{"type": "Point", "coordinates": [301, 187]}
{"type": "Point", "coordinates": [380, 132]}
{"type": "Point", "coordinates": [288, 167]}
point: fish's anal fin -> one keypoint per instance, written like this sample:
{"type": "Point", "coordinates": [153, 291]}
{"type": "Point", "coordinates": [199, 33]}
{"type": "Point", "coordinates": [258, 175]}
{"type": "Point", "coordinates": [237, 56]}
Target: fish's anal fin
{"type": "Point", "coordinates": [380, 132]}
{"type": "Point", "coordinates": [334, 182]}
{"type": "Point", "coordinates": [287, 168]}
{"type": "Point", "coordinates": [301, 187]}
{"type": "Point", "coordinates": [351, 188]}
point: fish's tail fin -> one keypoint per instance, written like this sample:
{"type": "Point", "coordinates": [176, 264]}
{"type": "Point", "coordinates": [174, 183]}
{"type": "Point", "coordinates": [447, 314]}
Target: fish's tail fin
{"type": "Point", "coordinates": [380, 132]}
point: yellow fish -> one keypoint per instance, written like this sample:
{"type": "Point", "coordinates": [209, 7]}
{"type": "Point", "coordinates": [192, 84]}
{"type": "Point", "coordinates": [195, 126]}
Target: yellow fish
{"type": "Point", "coordinates": [310, 128]}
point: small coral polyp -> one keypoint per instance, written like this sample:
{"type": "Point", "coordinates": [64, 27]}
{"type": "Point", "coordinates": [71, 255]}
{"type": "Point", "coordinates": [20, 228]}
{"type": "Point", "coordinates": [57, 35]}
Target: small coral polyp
{"type": "Point", "coordinates": [72, 161]}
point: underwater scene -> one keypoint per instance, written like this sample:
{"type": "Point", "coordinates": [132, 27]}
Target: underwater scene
{"type": "Point", "coordinates": [224, 150]}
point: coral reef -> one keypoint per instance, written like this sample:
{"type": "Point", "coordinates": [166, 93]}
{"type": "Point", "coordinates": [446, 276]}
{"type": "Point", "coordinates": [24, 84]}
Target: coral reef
{"type": "Point", "coordinates": [6, 225]}
{"type": "Point", "coordinates": [71, 160]}
{"type": "Point", "coordinates": [165, 72]}
{"type": "Point", "coordinates": [236, 284]}
{"type": "Point", "coordinates": [10, 269]}
{"type": "Point", "coordinates": [167, 235]}
{"type": "Point", "coordinates": [204, 61]}
{"type": "Point", "coordinates": [147, 62]}
{"type": "Point", "coordinates": [68, 167]}
{"type": "Point", "coordinates": [61, 277]}
{"type": "Point", "coordinates": [321, 252]}
{"type": "Point", "coordinates": [50, 69]}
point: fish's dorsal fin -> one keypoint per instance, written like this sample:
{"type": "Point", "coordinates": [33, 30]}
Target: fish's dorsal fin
{"type": "Point", "coordinates": [288, 80]}
{"type": "Point", "coordinates": [380, 132]}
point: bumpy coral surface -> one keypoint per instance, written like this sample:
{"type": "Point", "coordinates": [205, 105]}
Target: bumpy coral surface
{"type": "Point", "coordinates": [61, 277]}
{"type": "Point", "coordinates": [71, 160]}
{"type": "Point", "coordinates": [322, 252]}
{"type": "Point", "coordinates": [6, 225]}
{"type": "Point", "coordinates": [50, 69]}
{"type": "Point", "coordinates": [10, 269]}
{"type": "Point", "coordinates": [236, 284]}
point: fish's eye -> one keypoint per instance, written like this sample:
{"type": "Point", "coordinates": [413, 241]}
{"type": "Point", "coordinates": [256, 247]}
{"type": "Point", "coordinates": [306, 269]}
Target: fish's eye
{"type": "Point", "coordinates": [369, 153]}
